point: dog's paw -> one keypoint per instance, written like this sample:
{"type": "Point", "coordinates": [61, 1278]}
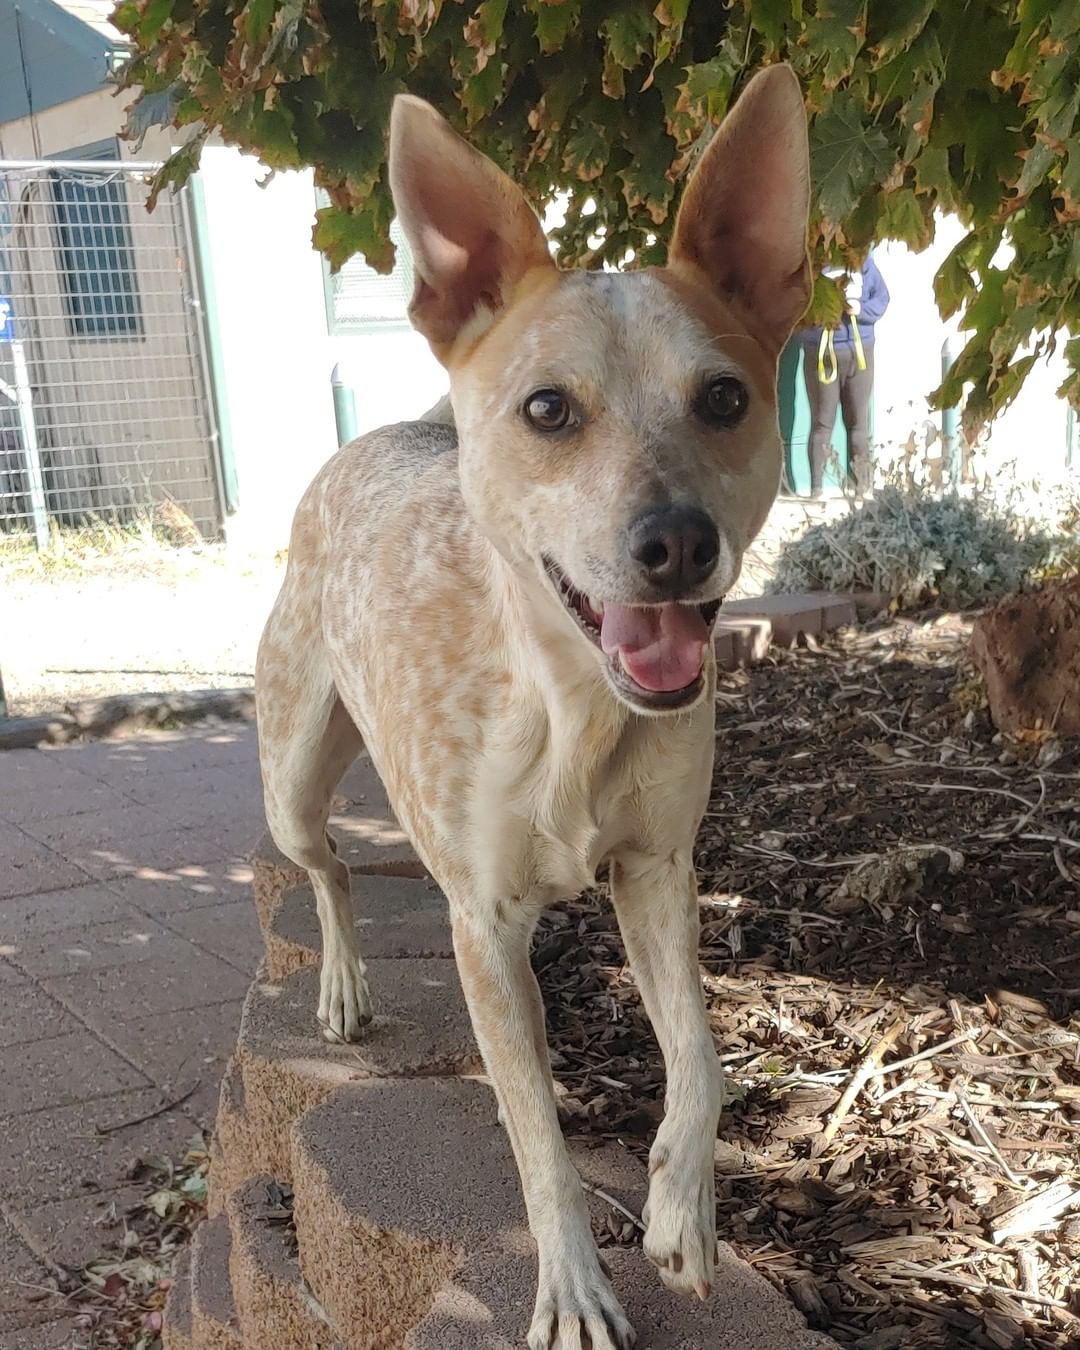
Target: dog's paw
{"type": "Point", "coordinates": [680, 1219]}
{"type": "Point", "coordinates": [344, 999]}
{"type": "Point", "coordinates": [576, 1308]}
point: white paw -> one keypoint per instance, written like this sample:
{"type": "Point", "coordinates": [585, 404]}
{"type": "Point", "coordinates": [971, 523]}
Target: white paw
{"type": "Point", "coordinates": [576, 1308]}
{"type": "Point", "coordinates": [680, 1218]}
{"type": "Point", "coordinates": [344, 998]}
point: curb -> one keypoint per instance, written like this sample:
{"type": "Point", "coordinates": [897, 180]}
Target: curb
{"type": "Point", "coordinates": [98, 717]}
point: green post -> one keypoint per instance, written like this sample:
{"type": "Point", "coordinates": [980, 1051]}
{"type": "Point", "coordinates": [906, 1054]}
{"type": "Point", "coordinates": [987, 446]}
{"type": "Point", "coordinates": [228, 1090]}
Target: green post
{"type": "Point", "coordinates": [193, 200]}
{"type": "Point", "coordinates": [344, 407]}
{"type": "Point", "coordinates": [950, 419]}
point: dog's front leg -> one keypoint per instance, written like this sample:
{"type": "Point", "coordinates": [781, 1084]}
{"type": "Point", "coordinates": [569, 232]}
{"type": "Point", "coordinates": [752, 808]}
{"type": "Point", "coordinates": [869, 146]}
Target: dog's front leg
{"type": "Point", "coordinates": [656, 903]}
{"type": "Point", "coordinates": [575, 1305]}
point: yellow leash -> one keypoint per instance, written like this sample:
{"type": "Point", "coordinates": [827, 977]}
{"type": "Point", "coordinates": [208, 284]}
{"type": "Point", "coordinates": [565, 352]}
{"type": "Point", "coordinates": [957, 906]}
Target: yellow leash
{"type": "Point", "coordinates": [827, 368]}
{"type": "Point", "coordinates": [860, 355]}
{"type": "Point", "coordinates": [826, 349]}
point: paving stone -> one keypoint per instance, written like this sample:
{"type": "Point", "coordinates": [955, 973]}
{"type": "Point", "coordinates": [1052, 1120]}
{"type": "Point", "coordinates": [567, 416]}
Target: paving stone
{"type": "Point", "coordinates": [395, 917]}
{"type": "Point", "coordinates": [117, 826]}
{"type": "Point", "coordinates": [25, 772]}
{"type": "Point", "coordinates": [71, 796]}
{"type": "Point", "coordinates": [28, 1013]}
{"type": "Point", "coordinates": [26, 1289]}
{"type": "Point", "coordinates": [122, 762]}
{"type": "Point", "coordinates": [274, 1306]}
{"type": "Point", "coordinates": [61, 1071]}
{"type": "Point", "coordinates": [420, 1027]}
{"type": "Point", "coordinates": [28, 866]}
{"type": "Point", "coordinates": [421, 1232]}
{"type": "Point", "coordinates": [77, 1230]}
{"type": "Point", "coordinates": [71, 1155]}
{"type": "Point", "coordinates": [83, 906]}
{"type": "Point", "coordinates": [124, 942]}
{"type": "Point", "coordinates": [201, 791]}
{"type": "Point", "coordinates": [170, 847]}
{"type": "Point", "coordinates": [230, 931]}
{"type": "Point", "coordinates": [214, 1323]}
{"type": "Point", "coordinates": [183, 978]}
{"type": "Point", "coordinates": [183, 1049]}
{"type": "Point", "coordinates": [190, 886]}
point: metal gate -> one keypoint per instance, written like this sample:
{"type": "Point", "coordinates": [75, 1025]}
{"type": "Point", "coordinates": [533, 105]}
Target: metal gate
{"type": "Point", "coordinates": [105, 411]}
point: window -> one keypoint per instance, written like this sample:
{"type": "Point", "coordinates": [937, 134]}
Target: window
{"type": "Point", "coordinates": [93, 237]}
{"type": "Point", "coordinates": [359, 300]}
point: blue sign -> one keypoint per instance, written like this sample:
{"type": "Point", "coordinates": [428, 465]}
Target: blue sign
{"type": "Point", "coordinates": [7, 320]}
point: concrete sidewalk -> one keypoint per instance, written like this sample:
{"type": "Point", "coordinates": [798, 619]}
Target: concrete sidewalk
{"type": "Point", "coordinates": [128, 939]}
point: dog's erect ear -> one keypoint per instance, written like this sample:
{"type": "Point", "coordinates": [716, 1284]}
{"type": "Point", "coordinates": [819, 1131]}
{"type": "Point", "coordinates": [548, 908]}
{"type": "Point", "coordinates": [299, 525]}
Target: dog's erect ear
{"type": "Point", "coordinates": [744, 212]}
{"type": "Point", "coordinates": [472, 233]}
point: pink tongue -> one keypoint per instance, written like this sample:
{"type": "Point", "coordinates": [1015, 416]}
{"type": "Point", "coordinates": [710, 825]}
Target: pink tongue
{"type": "Point", "coordinates": [661, 648]}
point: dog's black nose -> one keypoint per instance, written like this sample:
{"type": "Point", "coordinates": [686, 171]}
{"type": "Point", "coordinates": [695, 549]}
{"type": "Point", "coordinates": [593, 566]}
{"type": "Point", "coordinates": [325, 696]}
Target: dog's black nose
{"type": "Point", "coordinates": [677, 547]}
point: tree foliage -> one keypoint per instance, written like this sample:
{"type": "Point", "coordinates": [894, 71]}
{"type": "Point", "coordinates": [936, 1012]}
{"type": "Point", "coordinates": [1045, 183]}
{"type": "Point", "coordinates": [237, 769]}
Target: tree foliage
{"type": "Point", "coordinates": [916, 106]}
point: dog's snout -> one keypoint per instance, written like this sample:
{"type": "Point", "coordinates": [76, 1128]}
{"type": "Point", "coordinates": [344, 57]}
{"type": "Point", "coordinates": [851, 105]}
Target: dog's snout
{"type": "Point", "coordinates": [677, 547]}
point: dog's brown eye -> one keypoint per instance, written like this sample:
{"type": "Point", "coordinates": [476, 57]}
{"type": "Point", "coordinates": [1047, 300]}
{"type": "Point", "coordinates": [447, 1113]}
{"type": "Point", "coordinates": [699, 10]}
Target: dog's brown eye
{"type": "Point", "coordinates": [725, 401]}
{"type": "Point", "coordinates": [547, 410]}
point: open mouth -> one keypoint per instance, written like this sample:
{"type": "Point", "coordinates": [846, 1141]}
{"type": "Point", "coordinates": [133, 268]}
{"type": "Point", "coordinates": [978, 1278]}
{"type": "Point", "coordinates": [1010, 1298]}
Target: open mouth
{"type": "Point", "coordinates": [656, 653]}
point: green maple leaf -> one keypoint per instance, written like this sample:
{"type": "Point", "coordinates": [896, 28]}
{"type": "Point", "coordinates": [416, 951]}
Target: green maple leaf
{"type": "Point", "coordinates": [905, 20]}
{"type": "Point", "coordinates": [342, 234]}
{"type": "Point", "coordinates": [629, 35]}
{"type": "Point", "coordinates": [847, 158]}
{"type": "Point", "coordinates": [836, 36]}
{"type": "Point", "coordinates": [587, 151]}
{"type": "Point", "coordinates": [555, 23]}
{"type": "Point", "coordinates": [906, 218]}
{"type": "Point", "coordinates": [770, 18]}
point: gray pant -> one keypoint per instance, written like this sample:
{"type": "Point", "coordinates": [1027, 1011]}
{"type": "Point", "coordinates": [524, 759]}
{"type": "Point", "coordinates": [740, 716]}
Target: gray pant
{"type": "Point", "coordinates": [851, 391]}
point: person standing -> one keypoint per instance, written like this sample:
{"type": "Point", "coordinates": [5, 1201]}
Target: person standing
{"type": "Point", "coordinates": [838, 364]}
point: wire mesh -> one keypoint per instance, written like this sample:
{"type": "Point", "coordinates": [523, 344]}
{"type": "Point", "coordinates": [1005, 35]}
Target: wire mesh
{"type": "Point", "coordinates": [104, 412]}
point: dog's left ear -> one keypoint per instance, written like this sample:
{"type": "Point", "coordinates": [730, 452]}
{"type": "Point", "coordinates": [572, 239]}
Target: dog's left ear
{"type": "Point", "coordinates": [472, 233]}
{"type": "Point", "coordinates": [743, 216]}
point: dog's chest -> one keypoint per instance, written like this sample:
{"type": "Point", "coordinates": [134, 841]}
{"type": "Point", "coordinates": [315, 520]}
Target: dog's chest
{"type": "Point", "coordinates": [545, 824]}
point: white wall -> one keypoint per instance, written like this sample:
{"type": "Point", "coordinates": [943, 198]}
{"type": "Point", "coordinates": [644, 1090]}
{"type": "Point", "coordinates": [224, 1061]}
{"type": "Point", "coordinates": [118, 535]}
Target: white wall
{"type": "Point", "coordinates": [83, 121]}
{"type": "Point", "coordinates": [277, 353]}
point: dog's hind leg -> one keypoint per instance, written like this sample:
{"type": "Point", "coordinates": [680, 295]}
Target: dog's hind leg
{"type": "Point", "coordinates": [306, 742]}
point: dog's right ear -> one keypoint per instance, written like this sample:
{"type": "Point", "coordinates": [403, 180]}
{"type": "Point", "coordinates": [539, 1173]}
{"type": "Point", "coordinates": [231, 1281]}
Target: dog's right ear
{"type": "Point", "coordinates": [472, 233]}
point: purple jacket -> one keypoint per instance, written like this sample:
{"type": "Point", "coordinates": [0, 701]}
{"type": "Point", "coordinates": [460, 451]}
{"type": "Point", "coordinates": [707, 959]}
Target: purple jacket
{"type": "Point", "coordinates": [875, 301]}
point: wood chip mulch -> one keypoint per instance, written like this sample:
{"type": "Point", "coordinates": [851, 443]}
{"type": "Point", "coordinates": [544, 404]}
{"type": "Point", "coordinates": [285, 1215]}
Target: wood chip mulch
{"type": "Point", "coordinates": [891, 952]}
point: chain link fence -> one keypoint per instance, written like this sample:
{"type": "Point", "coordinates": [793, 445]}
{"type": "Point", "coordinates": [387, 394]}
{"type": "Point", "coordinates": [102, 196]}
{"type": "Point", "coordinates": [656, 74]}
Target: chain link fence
{"type": "Point", "coordinates": [105, 414]}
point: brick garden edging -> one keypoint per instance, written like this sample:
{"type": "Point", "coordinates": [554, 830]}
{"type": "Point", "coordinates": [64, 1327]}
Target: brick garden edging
{"type": "Point", "coordinates": [98, 717]}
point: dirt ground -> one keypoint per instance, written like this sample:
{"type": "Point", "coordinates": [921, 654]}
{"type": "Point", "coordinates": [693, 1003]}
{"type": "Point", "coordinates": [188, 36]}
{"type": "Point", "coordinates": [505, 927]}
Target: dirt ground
{"type": "Point", "coordinates": [891, 902]}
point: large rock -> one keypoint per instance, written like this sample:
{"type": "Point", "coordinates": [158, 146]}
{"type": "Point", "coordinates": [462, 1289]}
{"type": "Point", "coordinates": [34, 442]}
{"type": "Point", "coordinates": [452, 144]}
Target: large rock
{"type": "Point", "coordinates": [1028, 651]}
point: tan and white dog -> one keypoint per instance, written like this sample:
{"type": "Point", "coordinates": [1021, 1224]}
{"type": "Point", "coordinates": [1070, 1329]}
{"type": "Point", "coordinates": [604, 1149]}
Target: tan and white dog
{"type": "Point", "coordinates": [514, 618]}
